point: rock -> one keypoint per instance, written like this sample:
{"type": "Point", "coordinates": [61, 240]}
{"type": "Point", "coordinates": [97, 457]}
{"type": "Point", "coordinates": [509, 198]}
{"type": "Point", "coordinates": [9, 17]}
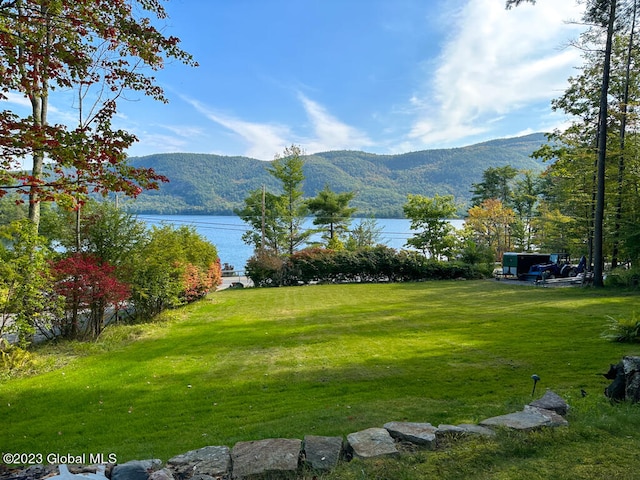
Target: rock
{"type": "Point", "coordinates": [418, 433]}
{"type": "Point", "coordinates": [135, 470]}
{"type": "Point", "coordinates": [213, 461]}
{"type": "Point", "coordinates": [372, 442]}
{"type": "Point", "coordinates": [631, 366]}
{"type": "Point", "coordinates": [470, 429]}
{"type": "Point", "coordinates": [274, 456]}
{"type": "Point", "coordinates": [449, 431]}
{"type": "Point", "coordinates": [552, 401]}
{"type": "Point", "coordinates": [164, 474]}
{"type": "Point", "coordinates": [30, 473]}
{"type": "Point", "coordinates": [617, 390]}
{"type": "Point", "coordinates": [66, 474]}
{"type": "Point", "coordinates": [529, 419]}
{"type": "Point", "coordinates": [322, 453]}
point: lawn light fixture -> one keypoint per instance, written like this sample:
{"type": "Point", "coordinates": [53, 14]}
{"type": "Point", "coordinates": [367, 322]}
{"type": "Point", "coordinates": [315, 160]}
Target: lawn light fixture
{"type": "Point", "coordinates": [535, 378]}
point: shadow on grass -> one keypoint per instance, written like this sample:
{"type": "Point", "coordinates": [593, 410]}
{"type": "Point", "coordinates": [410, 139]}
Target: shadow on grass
{"type": "Point", "coordinates": [323, 360]}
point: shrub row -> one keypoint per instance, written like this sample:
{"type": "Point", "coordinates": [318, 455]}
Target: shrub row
{"type": "Point", "coordinates": [378, 264]}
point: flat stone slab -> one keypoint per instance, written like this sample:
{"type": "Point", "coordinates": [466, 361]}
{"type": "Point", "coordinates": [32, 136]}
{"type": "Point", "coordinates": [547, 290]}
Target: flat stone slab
{"type": "Point", "coordinates": [322, 453]}
{"type": "Point", "coordinates": [372, 442]}
{"type": "Point", "coordinates": [213, 461]}
{"type": "Point", "coordinates": [274, 455]}
{"type": "Point", "coordinates": [529, 419]}
{"type": "Point", "coordinates": [445, 430]}
{"type": "Point", "coordinates": [471, 429]}
{"type": "Point", "coordinates": [551, 401]}
{"type": "Point", "coordinates": [417, 433]}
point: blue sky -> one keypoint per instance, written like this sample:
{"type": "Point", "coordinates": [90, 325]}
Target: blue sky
{"type": "Point", "coordinates": [383, 76]}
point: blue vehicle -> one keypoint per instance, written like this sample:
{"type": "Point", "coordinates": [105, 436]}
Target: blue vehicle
{"type": "Point", "coordinates": [559, 266]}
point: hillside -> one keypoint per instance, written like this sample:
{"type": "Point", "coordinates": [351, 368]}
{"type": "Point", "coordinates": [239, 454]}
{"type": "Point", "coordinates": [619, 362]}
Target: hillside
{"type": "Point", "coordinates": [213, 184]}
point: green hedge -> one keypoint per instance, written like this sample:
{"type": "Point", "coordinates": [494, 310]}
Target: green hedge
{"type": "Point", "coordinates": [378, 264]}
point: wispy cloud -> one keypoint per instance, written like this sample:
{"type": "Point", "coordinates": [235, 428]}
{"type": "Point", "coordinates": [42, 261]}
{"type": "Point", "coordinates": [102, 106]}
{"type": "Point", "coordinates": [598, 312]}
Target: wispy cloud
{"type": "Point", "coordinates": [264, 140]}
{"type": "Point", "coordinates": [17, 99]}
{"type": "Point", "coordinates": [506, 61]}
{"type": "Point", "coordinates": [158, 143]}
{"type": "Point", "coordinates": [329, 133]}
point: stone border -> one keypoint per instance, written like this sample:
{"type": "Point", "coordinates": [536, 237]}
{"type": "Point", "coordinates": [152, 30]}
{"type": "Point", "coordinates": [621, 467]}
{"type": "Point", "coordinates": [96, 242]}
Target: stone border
{"type": "Point", "coordinates": [285, 458]}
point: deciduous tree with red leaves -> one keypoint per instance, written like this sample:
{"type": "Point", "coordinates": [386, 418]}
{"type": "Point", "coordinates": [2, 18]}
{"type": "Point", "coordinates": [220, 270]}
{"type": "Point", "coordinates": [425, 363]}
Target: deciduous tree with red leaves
{"type": "Point", "coordinates": [97, 49]}
{"type": "Point", "coordinates": [90, 284]}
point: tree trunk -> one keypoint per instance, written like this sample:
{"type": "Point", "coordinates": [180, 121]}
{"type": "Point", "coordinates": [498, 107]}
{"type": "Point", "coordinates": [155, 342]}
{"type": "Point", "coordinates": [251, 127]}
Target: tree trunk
{"type": "Point", "coordinates": [623, 128]}
{"type": "Point", "coordinates": [598, 234]}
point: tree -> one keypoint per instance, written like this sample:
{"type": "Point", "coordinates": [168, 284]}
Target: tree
{"type": "Point", "coordinates": [574, 171]}
{"type": "Point", "coordinates": [262, 212]}
{"type": "Point", "coordinates": [27, 299]}
{"type": "Point", "coordinates": [364, 235]}
{"type": "Point", "coordinates": [429, 216]}
{"type": "Point", "coordinates": [49, 45]}
{"type": "Point", "coordinates": [173, 267]}
{"type": "Point", "coordinates": [288, 169]}
{"type": "Point", "coordinates": [496, 183]}
{"type": "Point", "coordinates": [490, 224]}
{"type": "Point", "coordinates": [87, 283]}
{"type": "Point", "coordinates": [607, 17]}
{"type": "Point", "coordinates": [276, 219]}
{"type": "Point", "coordinates": [526, 196]}
{"type": "Point", "coordinates": [106, 231]}
{"type": "Point", "coordinates": [603, 119]}
{"type": "Point", "coordinates": [629, 62]}
{"type": "Point", "coordinates": [332, 212]}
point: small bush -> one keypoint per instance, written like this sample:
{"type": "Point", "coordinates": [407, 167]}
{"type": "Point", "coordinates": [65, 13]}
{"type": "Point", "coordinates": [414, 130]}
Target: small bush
{"type": "Point", "coordinates": [624, 330]}
{"type": "Point", "coordinates": [623, 278]}
{"type": "Point", "coordinates": [265, 269]}
{"type": "Point", "coordinates": [13, 359]}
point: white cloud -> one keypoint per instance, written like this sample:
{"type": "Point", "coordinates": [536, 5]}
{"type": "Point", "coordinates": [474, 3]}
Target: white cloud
{"type": "Point", "coordinates": [156, 143]}
{"type": "Point", "coordinates": [265, 140]}
{"type": "Point", "coordinates": [329, 132]}
{"type": "Point", "coordinates": [17, 99]}
{"type": "Point", "coordinates": [495, 62]}
{"type": "Point", "coordinates": [184, 131]}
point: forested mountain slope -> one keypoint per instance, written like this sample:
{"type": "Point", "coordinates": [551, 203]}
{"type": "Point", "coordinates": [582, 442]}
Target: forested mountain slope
{"type": "Point", "coordinates": [213, 184]}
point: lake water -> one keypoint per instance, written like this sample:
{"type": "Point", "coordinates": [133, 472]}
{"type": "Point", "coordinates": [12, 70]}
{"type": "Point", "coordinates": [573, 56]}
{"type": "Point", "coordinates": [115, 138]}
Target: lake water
{"type": "Point", "coordinates": [225, 232]}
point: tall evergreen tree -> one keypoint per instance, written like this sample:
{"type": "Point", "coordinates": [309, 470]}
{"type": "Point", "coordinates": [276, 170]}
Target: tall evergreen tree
{"type": "Point", "coordinates": [430, 219]}
{"type": "Point", "coordinates": [333, 213]}
{"type": "Point", "coordinates": [276, 219]}
{"type": "Point", "coordinates": [288, 169]}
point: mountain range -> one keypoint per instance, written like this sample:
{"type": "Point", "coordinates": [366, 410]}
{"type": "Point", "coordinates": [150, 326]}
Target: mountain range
{"type": "Point", "coordinates": [208, 184]}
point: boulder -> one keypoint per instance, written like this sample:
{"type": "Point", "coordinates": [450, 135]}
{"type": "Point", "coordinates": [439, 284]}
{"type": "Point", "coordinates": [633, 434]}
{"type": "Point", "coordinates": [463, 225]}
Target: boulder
{"type": "Point", "coordinates": [626, 380]}
{"type": "Point", "coordinates": [617, 389]}
{"type": "Point", "coordinates": [631, 367]}
{"type": "Point", "coordinates": [211, 460]}
{"type": "Point", "coordinates": [417, 433]}
{"type": "Point", "coordinates": [372, 442]}
{"type": "Point", "coordinates": [277, 456]}
{"type": "Point", "coordinates": [322, 453]}
{"type": "Point", "coordinates": [164, 474]}
{"type": "Point", "coordinates": [135, 470]}
{"type": "Point", "coordinates": [551, 401]}
{"type": "Point", "coordinates": [530, 418]}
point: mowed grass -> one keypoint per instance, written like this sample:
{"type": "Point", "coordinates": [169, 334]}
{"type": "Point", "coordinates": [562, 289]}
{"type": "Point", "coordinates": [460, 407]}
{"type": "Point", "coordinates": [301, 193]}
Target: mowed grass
{"type": "Point", "coordinates": [333, 359]}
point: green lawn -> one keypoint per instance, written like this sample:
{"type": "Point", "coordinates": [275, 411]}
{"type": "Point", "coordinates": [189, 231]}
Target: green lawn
{"type": "Point", "coordinates": [333, 359]}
